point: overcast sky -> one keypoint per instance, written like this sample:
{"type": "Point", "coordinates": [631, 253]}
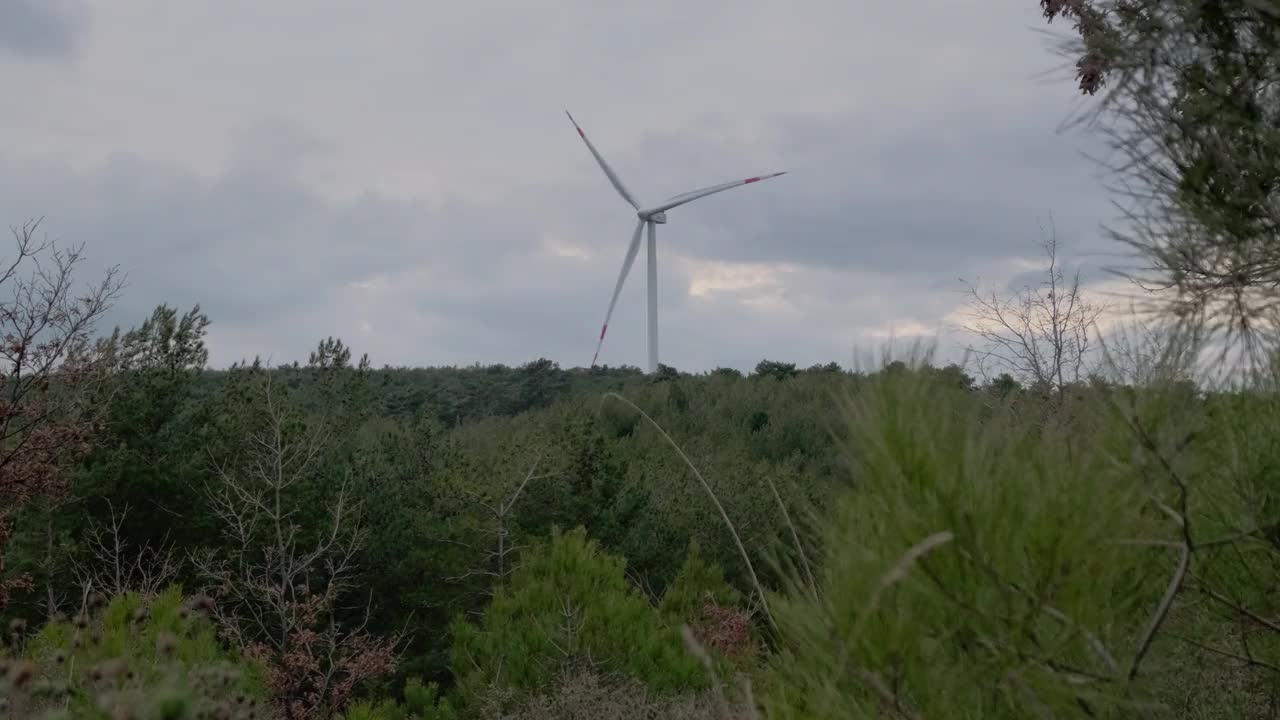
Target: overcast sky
{"type": "Point", "coordinates": [402, 174]}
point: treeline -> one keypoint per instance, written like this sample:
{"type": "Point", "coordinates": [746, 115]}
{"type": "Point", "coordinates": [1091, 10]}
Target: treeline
{"type": "Point", "coordinates": [453, 395]}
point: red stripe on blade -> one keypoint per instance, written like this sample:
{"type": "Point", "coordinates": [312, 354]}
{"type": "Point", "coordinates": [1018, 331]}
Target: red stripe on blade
{"type": "Point", "coordinates": [751, 180]}
{"type": "Point", "coordinates": [602, 331]}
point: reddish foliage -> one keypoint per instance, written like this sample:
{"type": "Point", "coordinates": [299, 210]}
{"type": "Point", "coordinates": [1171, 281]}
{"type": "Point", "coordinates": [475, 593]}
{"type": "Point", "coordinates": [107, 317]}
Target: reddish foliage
{"type": "Point", "coordinates": [727, 630]}
{"type": "Point", "coordinates": [9, 586]}
{"type": "Point", "coordinates": [1090, 24]}
{"type": "Point", "coordinates": [316, 673]}
{"type": "Point", "coordinates": [48, 379]}
{"type": "Point", "coordinates": [279, 601]}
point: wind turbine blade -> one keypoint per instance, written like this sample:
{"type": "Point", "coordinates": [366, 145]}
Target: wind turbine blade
{"type": "Point", "coordinates": [613, 177]}
{"type": "Point", "coordinates": [692, 195]}
{"type": "Point", "coordinates": [617, 290]}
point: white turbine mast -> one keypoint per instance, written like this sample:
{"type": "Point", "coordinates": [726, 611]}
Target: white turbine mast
{"type": "Point", "coordinates": [651, 217]}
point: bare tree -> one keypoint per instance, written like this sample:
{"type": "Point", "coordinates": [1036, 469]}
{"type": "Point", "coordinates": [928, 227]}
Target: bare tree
{"type": "Point", "coordinates": [278, 595]}
{"type": "Point", "coordinates": [498, 551]}
{"type": "Point", "coordinates": [115, 567]}
{"type": "Point", "coordinates": [1146, 354]}
{"type": "Point", "coordinates": [50, 375]}
{"type": "Point", "coordinates": [1040, 334]}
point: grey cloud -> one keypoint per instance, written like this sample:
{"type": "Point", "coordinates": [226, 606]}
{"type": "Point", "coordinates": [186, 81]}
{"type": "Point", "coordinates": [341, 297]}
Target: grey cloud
{"type": "Point", "coordinates": [271, 263]}
{"type": "Point", "coordinates": [253, 247]}
{"type": "Point", "coordinates": [43, 28]}
{"type": "Point", "coordinates": [867, 197]}
{"type": "Point", "coordinates": [276, 147]}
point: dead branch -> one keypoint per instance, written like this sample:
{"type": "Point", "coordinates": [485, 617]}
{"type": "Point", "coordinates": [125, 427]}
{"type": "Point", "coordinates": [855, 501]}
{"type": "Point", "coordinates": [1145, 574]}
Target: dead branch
{"type": "Point", "coordinates": [52, 394]}
{"type": "Point", "coordinates": [114, 567]}
{"type": "Point", "coordinates": [279, 597]}
{"type": "Point", "coordinates": [1040, 334]}
{"type": "Point", "coordinates": [496, 561]}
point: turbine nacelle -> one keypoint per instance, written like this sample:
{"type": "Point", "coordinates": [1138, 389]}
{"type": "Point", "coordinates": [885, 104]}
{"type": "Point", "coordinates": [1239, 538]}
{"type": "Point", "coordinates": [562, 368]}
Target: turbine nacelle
{"type": "Point", "coordinates": [654, 217]}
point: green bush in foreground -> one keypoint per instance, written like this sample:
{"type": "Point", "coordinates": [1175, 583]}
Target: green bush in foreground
{"type": "Point", "coordinates": [569, 602]}
{"type": "Point", "coordinates": [976, 569]}
{"type": "Point", "coordinates": [133, 658]}
{"type": "Point", "coordinates": [582, 695]}
{"type": "Point", "coordinates": [421, 702]}
{"type": "Point", "coordinates": [697, 583]}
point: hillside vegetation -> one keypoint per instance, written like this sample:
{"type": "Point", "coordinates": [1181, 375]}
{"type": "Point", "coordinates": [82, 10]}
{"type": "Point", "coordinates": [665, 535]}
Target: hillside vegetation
{"type": "Point", "coordinates": [907, 537]}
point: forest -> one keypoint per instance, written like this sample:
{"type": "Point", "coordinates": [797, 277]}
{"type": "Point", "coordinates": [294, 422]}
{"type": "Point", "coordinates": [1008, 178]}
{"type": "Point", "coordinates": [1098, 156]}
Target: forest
{"type": "Point", "coordinates": [1081, 520]}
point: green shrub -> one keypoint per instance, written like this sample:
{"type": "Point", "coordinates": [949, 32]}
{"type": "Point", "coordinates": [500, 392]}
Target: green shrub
{"type": "Point", "coordinates": [697, 582]}
{"type": "Point", "coordinates": [976, 568]}
{"type": "Point", "coordinates": [581, 695]}
{"type": "Point", "coordinates": [568, 602]}
{"type": "Point", "coordinates": [421, 702]}
{"type": "Point", "coordinates": [136, 658]}
{"type": "Point", "coordinates": [375, 710]}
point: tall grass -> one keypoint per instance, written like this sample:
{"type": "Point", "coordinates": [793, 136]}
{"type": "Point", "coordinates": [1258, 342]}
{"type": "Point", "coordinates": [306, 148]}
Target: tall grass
{"type": "Point", "coordinates": [1106, 552]}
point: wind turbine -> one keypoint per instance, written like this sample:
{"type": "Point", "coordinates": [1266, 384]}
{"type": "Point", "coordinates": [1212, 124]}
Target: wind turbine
{"type": "Point", "coordinates": [651, 217]}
